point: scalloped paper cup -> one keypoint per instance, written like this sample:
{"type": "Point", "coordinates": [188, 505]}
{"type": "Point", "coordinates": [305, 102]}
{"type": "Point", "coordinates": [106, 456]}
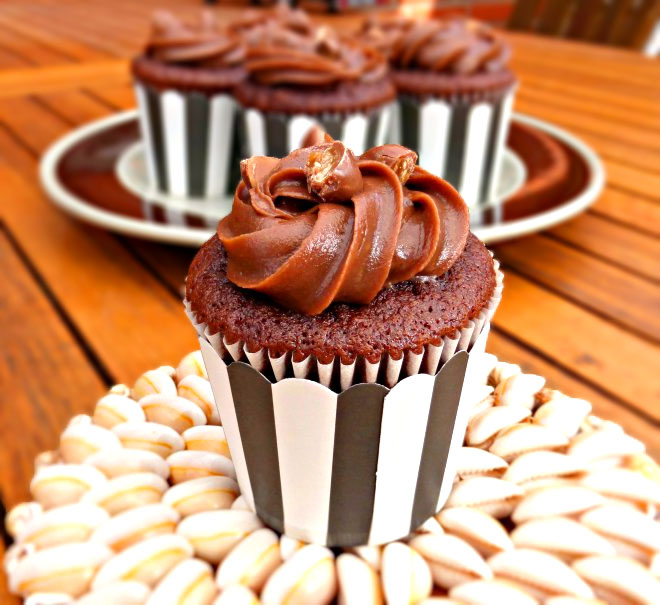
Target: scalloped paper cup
{"type": "Point", "coordinates": [359, 463]}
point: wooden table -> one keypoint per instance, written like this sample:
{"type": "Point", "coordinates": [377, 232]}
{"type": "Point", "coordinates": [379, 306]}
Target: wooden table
{"type": "Point", "coordinates": [81, 309]}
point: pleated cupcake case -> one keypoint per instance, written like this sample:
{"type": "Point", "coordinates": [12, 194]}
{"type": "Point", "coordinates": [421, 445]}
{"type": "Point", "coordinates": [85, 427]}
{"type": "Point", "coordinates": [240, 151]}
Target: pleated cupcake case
{"type": "Point", "coordinates": [276, 134]}
{"type": "Point", "coordinates": [190, 141]}
{"type": "Point", "coordinates": [360, 463]}
{"type": "Point", "coordinates": [474, 130]}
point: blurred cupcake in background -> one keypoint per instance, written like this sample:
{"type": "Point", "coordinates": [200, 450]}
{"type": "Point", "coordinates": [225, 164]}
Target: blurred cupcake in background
{"type": "Point", "coordinates": [455, 93]}
{"type": "Point", "coordinates": [300, 75]}
{"type": "Point", "coordinates": [183, 84]}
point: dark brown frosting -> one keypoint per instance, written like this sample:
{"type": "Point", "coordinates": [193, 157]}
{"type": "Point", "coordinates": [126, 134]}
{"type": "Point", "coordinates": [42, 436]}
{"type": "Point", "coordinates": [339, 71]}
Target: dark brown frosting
{"type": "Point", "coordinates": [285, 48]}
{"type": "Point", "coordinates": [458, 46]}
{"type": "Point", "coordinates": [203, 44]}
{"type": "Point", "coordinates": [322, 226]}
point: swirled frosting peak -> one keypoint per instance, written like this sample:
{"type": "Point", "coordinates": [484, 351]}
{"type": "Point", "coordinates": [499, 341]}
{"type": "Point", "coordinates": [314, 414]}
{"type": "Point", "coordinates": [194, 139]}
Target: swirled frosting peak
{"type": "Point", "coordinates": [459, 46]}
{"type": "Point", "coordinates": [202, 44]}
{"type": "Point", "coordinates": [322, 225]}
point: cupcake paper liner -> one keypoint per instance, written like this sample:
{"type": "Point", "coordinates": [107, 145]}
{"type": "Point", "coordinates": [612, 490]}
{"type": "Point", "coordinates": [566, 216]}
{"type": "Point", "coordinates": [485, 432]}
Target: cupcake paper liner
{"type": "Point", "coordinates": [460, 140]}
{"type": "Point", "coordinates": [189, 140]}
{"type": "Point", "coordinates": [365, 465]}
{"type": "Point", "coordinates": [276, 134]}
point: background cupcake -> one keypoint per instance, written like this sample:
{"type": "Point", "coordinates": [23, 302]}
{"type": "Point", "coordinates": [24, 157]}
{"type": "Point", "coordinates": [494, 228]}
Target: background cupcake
{"type": "Point", "coordinates": [183, 83]}
{"type": "Point", "coordinates": [300, 75]}
{"type": "Point", "coordinates": [455, 97]}
{"type": "Point", "coordinates": [357, 281]}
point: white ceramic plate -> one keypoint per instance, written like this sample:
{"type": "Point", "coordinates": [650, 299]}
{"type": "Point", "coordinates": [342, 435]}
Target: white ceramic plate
{"type": "Point", "coordinates": [513, 176]}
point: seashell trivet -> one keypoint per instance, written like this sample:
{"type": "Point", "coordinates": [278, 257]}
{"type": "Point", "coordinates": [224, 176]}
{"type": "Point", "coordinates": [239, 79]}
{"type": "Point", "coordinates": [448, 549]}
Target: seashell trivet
{"type": "Point", "coordinates": [139, 506]}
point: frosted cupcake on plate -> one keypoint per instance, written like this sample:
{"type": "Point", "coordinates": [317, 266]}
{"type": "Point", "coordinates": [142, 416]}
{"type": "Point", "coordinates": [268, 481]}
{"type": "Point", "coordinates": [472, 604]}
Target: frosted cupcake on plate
{"type": "Point", "coordinates": [183, 83]}
{"type": "Point", "coordinates": [455, 93]}
{"type": "Point", "coordinates": [342, 308]}
{"type": "Point", "coordinates": [300, 75]}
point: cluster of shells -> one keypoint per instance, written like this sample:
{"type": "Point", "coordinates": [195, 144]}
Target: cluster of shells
{"type": "Point", "coordinates": [139, 505]}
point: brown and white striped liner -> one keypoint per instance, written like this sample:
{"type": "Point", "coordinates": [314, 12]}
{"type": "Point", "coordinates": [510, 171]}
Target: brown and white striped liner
{"type": "Point", "coordinates": [366, 463]}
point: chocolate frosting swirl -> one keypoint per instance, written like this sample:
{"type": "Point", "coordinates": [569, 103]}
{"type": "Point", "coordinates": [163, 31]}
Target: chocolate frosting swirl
{"type": "Point", "coordinates": [287, 49]}
{"type": "Point", "coordinates": [458, 46]}
{"type": "Point", "coordinates": [203, 44]}
{"type": "Point", "coordinates": [322, 226]}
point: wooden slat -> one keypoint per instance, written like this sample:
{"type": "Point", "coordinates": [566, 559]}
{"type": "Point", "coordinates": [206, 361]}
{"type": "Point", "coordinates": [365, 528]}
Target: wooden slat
{"type": "Point", "coordinates": [612, 292]}
{"type": "Point", "coordinates": [5, 597]}
{"type": "Point", "coordinates": [45, 375]}
{"type": "Point", "coordinates": [582, 343]}
{"type": "Point", "coordinates": [510, 350]}
{"type": "Point", "coordinates": [34, 54]}
{"type": "Point", "coordinates": [627, 209]}
{"type": "Point", "coordinates": [602, 238]}
{"type": "Point", "coordinates": [74, 106]}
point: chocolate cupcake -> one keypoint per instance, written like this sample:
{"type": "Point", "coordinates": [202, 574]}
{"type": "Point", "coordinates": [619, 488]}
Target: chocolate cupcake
{"type": "Point", "coordinates": [342, 308]}
{"type": "Point", "coordinates": [455, 96]}
{"type": "Point", "coordinates": [183, 83]}
{"type": "Point", "coordinates": [299, 75]}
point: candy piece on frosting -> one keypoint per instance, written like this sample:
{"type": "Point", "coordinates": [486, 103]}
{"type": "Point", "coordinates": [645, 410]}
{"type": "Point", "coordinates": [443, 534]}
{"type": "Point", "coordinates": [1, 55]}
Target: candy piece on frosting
{"type": "Point", "coordinates": [322, 226]}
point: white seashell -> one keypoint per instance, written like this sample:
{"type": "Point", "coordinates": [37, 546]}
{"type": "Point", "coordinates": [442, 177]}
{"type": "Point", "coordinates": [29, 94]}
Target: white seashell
{"type": "Point", "coordinates": [487, 363]}
{"type": "Point", "coordinates": [405, 575]}
{"type": "Point", "coordinates": [127, 491]}
{"type": "Point", "coordinates": [358, 582]}
{"type": "Point", "coordinates": [120, 389]}
{"type": "Point", "coordinates": [69, 523]}
{"type": "Point", "coordinates": [189, 583]}
{"type": "Point", "coordinates": [67, 568]}
{"type": "Point", "coordinates": [484, 533]}
{"type": "Point", "coordinates": [617, 579]}
{"type": "Point", "coordinates": [545, 482]}
{"type": "Point", "coordinates": [542, 465]}
{"type": "Point", "coordinates": [47, 458]}
{"type": "Point", "coordinates": [654, 566]}
{"type": "Point", "coordinates": [237, 595]}
{"type": "Point", "coordinates": [251, 561]}
{"type": "Point", "coordinates": [452, 561]}
{"type": "Point", "coordinates": [488, 592]}
{"type": "Point", "coordinates": [488, 494]}
{"type": "Point", "coordinates": [521, 438]}
{"type": "Point", "coordinates": [562, 414]}
{"type": "Point", "coordinates": [158, 381]}
{"type": "Point", "coordinates": [560, 536]}
{"type": "Point", "coordinates": [539, 573]}
{"type": "Point", "coordinates": [519, 389]}
{"type": "Point", "coordinates": [60, 484]}
{"type": "Point", "coordinates": [22, 515]}
{"type": "Point", "coordinates": [207, 438]}
{"type": "Point", "coordinates": [554, 501]}
{"type": "Point", "coordinates": [147, 561]}
{"type": "Point", "coordinates": [625, 524]}
{"type": "Point", "coordinates": [308, 577]}
{"type": "Point", "coordinates": [128, 592]}
{"type": "Point", "coordinates": [240, 504]}
{"type": "Point", "coordinates": [201, 494]}
{"type": "Point", "coordinates": [480, 407]}
{"type": "Point", "coordinates": [191, 365]}
{"type": "Point", "coordinates": [289, 546]}
{"type": "Point", "coordinates": [602, 444]}
{"type": "Point", "coordinates": [124, 461]}
{"type": "Point", "coordinates": [113, 409]}
{"type": "Point", "coordinates": [430, 526]}
{"type": "Point", "coordinates": [78, 441]}
{"type": "Point", "coordinates": [502, 371]}
{"type": "Point", "coordinates": [644, 465]}
{"type": "Point", "coordinates": [80, 419]}
{"type": "Point", "coordinates": [49, 598]}
{"type": "Point", "coordinates": [190, 464]}
{"type": "Point", "coordinates": [198, 390]}
{"type": "Point", "coordinates": [371, 554]}
{"type": "Point", "coordinates": [136, 524]}
{"type": "Point", "coordinates": [572, 601]}
{"type": "Point", "coordinates": [490, 422]}
{"type": "Point", "coordinates": [440, 601]}
{"type": "Point", "coordinates": [14, 554]}
{"type": "Point", "coordinates": [475, 461]}
{"type": "Point", "coordinates": [214, 533]}
{"type": "Point", "coordinates": [624, 484]}
{"type": "Point", "coordinates": [149, 436]}
{"type": "Point", "coordinates": [173, 411]}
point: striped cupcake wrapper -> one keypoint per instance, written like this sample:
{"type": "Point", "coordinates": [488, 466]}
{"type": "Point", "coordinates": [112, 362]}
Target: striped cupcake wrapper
{"type": "Point", "coordinates": [276, 135]}
{"type": "Point", "coordinates": [458, 140]}
{"type": "Point", "coordinates": [365, 465]}
{"type": "Point", "coordinates": [190, 141]}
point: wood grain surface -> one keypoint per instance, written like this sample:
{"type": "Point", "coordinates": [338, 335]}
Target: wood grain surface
{"type": "Point", "coordinates": [81, 309]}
